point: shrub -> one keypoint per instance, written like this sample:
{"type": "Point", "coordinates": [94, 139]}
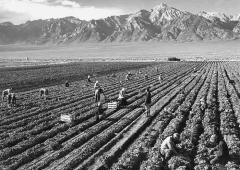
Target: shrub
{"type": "Point", "coordinates": [173, 59]}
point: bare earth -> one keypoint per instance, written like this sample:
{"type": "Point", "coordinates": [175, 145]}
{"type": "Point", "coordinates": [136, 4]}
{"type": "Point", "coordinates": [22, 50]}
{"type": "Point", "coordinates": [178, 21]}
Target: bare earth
{"type": "Point", "coordinates": [16, 55]}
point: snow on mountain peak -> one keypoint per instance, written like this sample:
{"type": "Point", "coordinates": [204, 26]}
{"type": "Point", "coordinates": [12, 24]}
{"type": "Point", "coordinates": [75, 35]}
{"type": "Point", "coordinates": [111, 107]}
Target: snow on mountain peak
{"type": "Point", "coordinates": [140, 14]}
{"type": "Point", "coordinates": [213, 15]}
{"type": "Point", "coordinates": [164, 12]}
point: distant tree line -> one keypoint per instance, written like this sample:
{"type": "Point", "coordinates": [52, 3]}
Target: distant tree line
{"type": "Point", "coordinates": [173, 59]}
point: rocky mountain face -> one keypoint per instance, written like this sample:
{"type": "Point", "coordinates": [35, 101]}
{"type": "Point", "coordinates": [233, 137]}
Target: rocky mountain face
{"type": "Point", "coordinates": [162, 23]}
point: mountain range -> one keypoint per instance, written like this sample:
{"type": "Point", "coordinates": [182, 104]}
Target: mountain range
{"type": "Point", "coordinates": [162, 23]}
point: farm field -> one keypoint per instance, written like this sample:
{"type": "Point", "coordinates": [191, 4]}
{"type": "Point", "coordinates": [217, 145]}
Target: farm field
{"type": "Point", "coordinates": [31, 77]}
{"type": "Point", "coordinates": [31, 136]}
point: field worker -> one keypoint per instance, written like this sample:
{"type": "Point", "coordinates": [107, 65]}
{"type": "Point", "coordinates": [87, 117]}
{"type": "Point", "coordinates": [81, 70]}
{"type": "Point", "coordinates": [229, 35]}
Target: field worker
{"type": "Point", "coordinates": [100, 99]}
{"type": "Point", "coordinates": [44, 92]}
{"type": "Point", "coordinates": [66, 84]}
{"type": "Point", "coordinates": [127, 77]}
{"type": "Point", "coordinates": [168, 146]}
{"type": "Point", "coordinates": [221, 154]}
{"type": "Point", "coordinates": [122, 97]}
{"type": "Point", "coordinates": [96, 87]}
{"type": "Point", "coordinates": [148, 101]}
{"type": "Point", "coordinates": [14, 99]}
{"type": "Point", "coordinates": [146, 77]}
{"type": "Point", "coordinates": [5, 93]}
{"type": "Point", "coordinates": [194, 70]}
{"type": "Point", "coordinates": [89, 79]}
{"type": "Point", "coordinates": [160, 78]}
{"type": "Point", "coordinates": [11, 99]}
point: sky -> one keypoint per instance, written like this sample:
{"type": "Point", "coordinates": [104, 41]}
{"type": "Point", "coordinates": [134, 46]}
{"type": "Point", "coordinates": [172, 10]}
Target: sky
{"type": "Point", "coordinates": [20, 11]}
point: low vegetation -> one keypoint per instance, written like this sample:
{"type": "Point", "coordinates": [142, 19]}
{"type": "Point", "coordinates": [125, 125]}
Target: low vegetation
{"type": "Point", "coordinates": [31, 136]}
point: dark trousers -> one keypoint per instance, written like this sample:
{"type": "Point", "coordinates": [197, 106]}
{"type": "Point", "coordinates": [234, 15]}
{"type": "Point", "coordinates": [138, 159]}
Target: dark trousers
{"type": "Point", "coordinates": [123, 102]}
{"type": "Point", "coordinates": [9, 99]}
{"type": "Point", "coordinates": [100, 111]}
{"type": "Point", "coordinates": [14, 101]}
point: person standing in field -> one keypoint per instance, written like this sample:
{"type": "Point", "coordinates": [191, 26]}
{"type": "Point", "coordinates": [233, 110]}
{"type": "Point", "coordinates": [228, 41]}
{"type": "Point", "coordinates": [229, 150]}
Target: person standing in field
{"type": "Point", "coordinates": [127, 77]}
{"type": "Point", "coordinates": [89, 79]}
{"type": "Point", "coordinates": [100, 99]}
{"type": "Point", "coordinates": [96, 87]}
{"type": "Point", "coordinates": [14, 99]}
{"type": "Point", "coordinates": [146, 77]}
{"type": "Point", "coordinates": [11, 99]}
{"type": "Point", "coordinates": [160, 78]}
{"type": "Point", "coordinates": [122, 97]}
{"type": "Point", "coordinates": [148, 101]}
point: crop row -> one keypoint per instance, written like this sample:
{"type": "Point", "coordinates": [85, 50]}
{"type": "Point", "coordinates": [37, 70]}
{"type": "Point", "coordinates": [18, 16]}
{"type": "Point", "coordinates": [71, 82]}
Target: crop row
{"type": "Point", "coordinates": [94, 128]}
{"type": "Point", "coordinates": [177, 124]}
{"type": "Point", "coordinates": [73, 107]}
{"type": "Point", "coordinates": [131, 158]}
{"type": "Point", "coordinates": [72, 95]}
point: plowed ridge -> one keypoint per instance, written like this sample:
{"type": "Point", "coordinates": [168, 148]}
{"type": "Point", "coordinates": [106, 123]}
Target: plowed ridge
{"type": "Point", "coordinates": [126, 138]}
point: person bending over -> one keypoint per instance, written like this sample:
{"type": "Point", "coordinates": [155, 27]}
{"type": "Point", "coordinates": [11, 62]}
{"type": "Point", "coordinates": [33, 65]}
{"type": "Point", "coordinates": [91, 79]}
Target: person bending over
{"type": "Point", "coordinates": [168, 146]}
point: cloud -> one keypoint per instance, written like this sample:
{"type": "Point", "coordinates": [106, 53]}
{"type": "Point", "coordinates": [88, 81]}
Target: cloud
{"type": "Point", "coordinates": [70, 4]}
{"type": "Point", "coordinates": [39, 1]}
{"type": "Point", "coordinates": [44, 9]}
{"type": "Point", "coordinates": [17, 18]}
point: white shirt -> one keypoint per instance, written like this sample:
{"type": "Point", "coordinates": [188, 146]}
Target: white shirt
{"type": "Point", "coordinates": [45, 91]}
{"type": "Point", "coordinates": [42, 89]}
{"type": "Point", "coordinates": [121, 94]}
{"type": "Point", "coordinates": [167, 143]}
{"type": "Point", "coordinates": [7, 91]}
{"type": "Point", "coordinates": [96, 86]}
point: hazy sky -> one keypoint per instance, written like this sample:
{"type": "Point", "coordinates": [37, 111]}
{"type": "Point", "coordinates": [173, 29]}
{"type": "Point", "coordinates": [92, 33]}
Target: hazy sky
{"type": "Point", "coordinates": [19, 11]}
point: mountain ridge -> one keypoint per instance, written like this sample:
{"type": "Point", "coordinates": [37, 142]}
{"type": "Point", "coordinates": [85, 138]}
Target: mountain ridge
{"type": "Point", "coordinates": [162, 23]}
